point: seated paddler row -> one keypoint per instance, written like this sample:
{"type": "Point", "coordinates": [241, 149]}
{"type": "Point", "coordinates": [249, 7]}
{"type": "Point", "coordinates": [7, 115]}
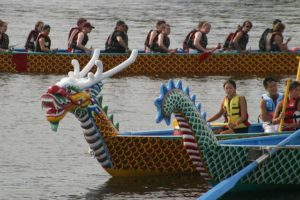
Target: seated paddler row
{"type": "Point", "coordinates": [234, 108]}
{"type": "Point", "coordinates": [157, 39]}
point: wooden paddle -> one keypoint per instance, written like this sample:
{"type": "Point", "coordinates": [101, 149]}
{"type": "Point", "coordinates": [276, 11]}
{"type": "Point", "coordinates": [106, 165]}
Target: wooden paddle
{"type": "Point", "coordinates": [298, 72]}
{"type": "Point", "coordinates": [226, 185]}
{"type": "Point", "coordinates": [286, 94]}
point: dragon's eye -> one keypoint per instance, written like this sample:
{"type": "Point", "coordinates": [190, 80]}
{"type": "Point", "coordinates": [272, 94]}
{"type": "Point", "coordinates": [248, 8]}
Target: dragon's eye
{"type": "Point", "coordinates": [69, 90]}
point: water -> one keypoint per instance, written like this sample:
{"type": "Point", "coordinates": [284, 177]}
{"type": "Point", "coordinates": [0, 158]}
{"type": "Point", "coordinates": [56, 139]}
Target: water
{"type": "Point", "coordinates": [36, 163]}
{"type": "Point", "coordinates": [142, 15]}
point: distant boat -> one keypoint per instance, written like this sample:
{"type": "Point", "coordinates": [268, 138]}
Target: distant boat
{"type": "Point", "coordinates": [181, 64]}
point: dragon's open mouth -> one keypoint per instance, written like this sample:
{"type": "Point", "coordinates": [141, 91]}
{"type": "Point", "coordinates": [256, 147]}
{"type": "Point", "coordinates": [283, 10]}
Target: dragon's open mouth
{"type": "Point", "coordinates": [54, 105]}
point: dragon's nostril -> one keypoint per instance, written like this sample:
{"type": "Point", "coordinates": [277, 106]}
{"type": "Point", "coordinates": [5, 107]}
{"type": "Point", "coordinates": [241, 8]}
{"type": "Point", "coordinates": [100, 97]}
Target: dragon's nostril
{"type": "Point", "coordinates": [62, 92]}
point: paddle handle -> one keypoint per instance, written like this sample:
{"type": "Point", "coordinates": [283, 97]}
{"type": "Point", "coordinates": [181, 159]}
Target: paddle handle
{"type": "Point", "coordinates": [218, 124]}
{"type": "Point", "coordinates": [287, 89]}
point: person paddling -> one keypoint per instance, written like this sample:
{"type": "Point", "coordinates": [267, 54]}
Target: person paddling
{"type": "Point", "coordinates": [264, 41]}
{"type": "Point", "coordinates": [118, 42]}
{"type": "Point", "coordinates": [163, 42]}
{"type": "Point", "coordinates": [32, 36]}
{"type": "Point", "coordinates": [268, 104]}
{"type": "Point", "coordinates": [241, 38]}
{"type": "Point", "coordinates": [276, 39]}
{"type": "Point", "coordinates": [4, 39]}
{"type": "Point", "coordinates": [152, 35]}
{"type": "Point", "coordinates": [43, 41]}
{"type": "Point", "coordinates": [81, 39]}
{"type": "Point", "coordinates": [292, 113]}
{"type": "Point", "coordinates": [74, 32]}
{"type": "Point", "coordinates": [198, 39]}
{"type": "Point", "coordinates": [234, 109]}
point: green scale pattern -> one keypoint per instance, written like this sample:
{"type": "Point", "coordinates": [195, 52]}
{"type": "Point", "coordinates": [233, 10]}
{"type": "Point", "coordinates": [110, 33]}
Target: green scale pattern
{"type": "Point", "coordinates": [224, 161]}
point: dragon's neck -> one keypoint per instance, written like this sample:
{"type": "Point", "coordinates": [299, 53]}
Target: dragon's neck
{"type": "Point", "coordinates": [212, 154]}
{"type": "Point", "coordinates": [97, 128]}
{"type": "Point", "coordinates": [177, 101]}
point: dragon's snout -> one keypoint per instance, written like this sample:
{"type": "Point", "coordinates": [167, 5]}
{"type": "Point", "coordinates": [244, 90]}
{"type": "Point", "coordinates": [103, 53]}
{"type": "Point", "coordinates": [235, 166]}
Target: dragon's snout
{"type": "Point", "coordinates": [55, 89]}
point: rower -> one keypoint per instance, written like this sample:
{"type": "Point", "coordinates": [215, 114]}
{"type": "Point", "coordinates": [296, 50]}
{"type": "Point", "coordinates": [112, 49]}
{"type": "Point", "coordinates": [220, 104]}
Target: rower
{"type": "Point", "coordinates": [241, 39]}
{"type": "Point", "coordinates": [43, 41]}
{"type": "Point", "coordinates": [163, 42]}
{"type": "Point", "coordinates": [4, 39]}
{"type": "Point", "coordinates": [234, 108]}
{"type": "Point", "coordinates": [152, 36]}
{"type": "Point", "coordinates": [197, 39]}
{"type": "Point", "coordinates": [264, 41]}
{"type": "Point", "coordinates": [291, 115]}
{"type": "Point", "coordinates": [268, 104]}
{"type": "Point", "coordinates": [74, 32]}
{"type": "Point", "coordinates": [81, 39]}
{"type": "Point", "coordinates": [32, 36]}
{"type": "Point", "coordinates": [118, 42]}
{"type": "Point", "coordinates": [276, 39]}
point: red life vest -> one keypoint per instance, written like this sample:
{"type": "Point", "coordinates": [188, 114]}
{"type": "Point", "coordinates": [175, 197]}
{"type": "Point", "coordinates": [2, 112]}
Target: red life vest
{"type": "Point", "coordinates": [291, 108]}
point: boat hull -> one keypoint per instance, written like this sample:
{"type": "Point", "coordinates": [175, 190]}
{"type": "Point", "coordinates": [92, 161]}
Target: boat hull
{"type": "Point", "coordinates": [254, 63]}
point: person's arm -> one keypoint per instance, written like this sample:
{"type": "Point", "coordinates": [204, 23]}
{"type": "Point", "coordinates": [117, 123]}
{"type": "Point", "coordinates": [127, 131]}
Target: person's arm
{"type": "Point", "coordinates": [73, 33]}
{"type": "Point", "coordinates": [197, 44]}
{"type": "Point", "coordinates": [279, 42]}
{"type": "Point", "coordinates": [152, 36]}
{"type": "Point", "coordinates": [29, 38]}
{"type": "Point", "coordinates": [4, 50]}
{"type": "Point", "coordinates": [218, 114]}
{"type": "Point", "coordinates": [243, 110]}
{"type": "Point", "coordinates": [42, 45]}
{"type": "Point", "coordinates": [277, 116]}
{"type": "Point", "coordinates": [236, 40]}
{"type": "Point", "coordinates": [264, 115]}
{"type": "Point", "coordinates": [297, 124]}
{"type": "Point", "coordinates": [122, 42]}
{"type": "Point", "coordinates": [79, 43]}
{"type": "Point", "coordinates": [161, 43]}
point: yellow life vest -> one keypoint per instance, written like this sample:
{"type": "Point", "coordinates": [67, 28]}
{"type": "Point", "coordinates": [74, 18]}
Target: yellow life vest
{"type": "Point", "coordinates": [233, 112]}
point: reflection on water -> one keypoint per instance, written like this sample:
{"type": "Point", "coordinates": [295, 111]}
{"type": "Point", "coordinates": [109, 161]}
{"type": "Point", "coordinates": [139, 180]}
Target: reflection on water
{"type": "Point", "coordinates": [170, 187]}
{"type": "Point", "coordinates": [175, 187]}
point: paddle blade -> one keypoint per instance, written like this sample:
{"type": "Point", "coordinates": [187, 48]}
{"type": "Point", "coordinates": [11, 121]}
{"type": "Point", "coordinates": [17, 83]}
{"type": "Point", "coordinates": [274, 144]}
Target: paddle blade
{"type": "Point", "coordinates": [204, 56]}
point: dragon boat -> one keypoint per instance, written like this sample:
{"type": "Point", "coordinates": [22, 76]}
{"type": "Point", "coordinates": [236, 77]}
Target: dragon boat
{"type": "Point", "coordinates": [196, 151]}
{"type": "Point", "coordinates": [180, 64]}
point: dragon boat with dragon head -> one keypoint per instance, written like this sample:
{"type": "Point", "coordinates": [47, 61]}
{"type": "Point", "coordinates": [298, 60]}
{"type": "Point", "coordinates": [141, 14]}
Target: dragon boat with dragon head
{"type": "Point", "coordinates": [195, 151]}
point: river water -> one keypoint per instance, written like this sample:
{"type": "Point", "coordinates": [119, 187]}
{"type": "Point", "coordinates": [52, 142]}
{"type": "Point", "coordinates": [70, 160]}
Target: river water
{"type": "Point", "coordinates": [141, 16]}
{"type": "Point", "coordinates": [36, 163]}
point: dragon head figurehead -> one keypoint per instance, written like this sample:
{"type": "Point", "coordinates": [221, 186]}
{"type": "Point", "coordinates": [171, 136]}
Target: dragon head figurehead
{"type": "Point", "coordinates": [77, 90]}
